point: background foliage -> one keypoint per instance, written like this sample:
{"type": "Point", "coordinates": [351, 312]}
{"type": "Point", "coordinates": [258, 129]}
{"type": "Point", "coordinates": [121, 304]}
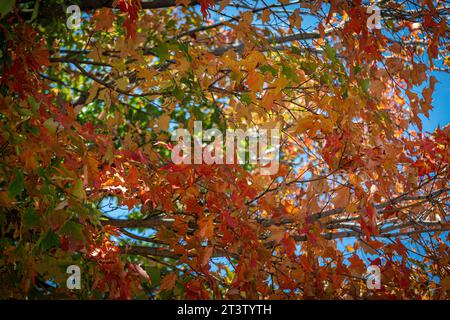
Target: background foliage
{"type": "Point", "coordinates": [86, 117]}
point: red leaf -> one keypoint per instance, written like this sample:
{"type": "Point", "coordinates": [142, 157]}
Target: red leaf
{"type": "Point", "coordinates": [289, 244]}
{"type": "Point", "coordinates": [205, 4]}
{"type": "Point", "coordinates": [132, 8]}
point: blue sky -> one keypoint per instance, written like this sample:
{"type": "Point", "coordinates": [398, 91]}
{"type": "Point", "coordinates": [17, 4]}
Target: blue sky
{"type": "Point", "coordinates": [440, 115]}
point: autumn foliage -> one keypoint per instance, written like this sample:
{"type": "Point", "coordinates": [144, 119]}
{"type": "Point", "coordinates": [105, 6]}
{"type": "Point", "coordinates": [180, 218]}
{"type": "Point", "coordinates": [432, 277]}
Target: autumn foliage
{"type": "Point", "coordinates": [86, 176]}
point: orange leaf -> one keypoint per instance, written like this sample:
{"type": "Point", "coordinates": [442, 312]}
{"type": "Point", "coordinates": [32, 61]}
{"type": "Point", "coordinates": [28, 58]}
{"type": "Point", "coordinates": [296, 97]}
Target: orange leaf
{"type": "Point", "coordinates": [104, 19]}
{"type": "Point", "coordinates": [168, 282]}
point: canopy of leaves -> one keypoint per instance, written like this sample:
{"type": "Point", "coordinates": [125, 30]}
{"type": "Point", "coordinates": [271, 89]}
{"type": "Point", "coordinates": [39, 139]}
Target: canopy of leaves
{"type": "Point", "coordinates": [86, 116]}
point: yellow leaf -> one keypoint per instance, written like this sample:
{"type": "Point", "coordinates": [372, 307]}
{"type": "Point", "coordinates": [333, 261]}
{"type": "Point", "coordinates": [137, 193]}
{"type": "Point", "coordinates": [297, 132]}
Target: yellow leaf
{"type": "Point", "coordinates": [92, 166]}
{"type": "Point", "coordinates": [51, 125]}
{"type": "Point", "coordinates": [122, 83]}
{"type": "Point", "coordinates": [351, 208]}
{"type": "Point", "coordinates": [253, 59]}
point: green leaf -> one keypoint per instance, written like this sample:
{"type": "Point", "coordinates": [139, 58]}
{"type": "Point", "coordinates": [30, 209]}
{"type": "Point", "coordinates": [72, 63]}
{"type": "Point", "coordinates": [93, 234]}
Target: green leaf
{"type": "Point", "coordinates": [51, 125]}
{"type": "Point", "coordinates": [78, 190]}
{"type": "Point", "coordinates": [162, 51]}
{"type": "Point", "coordinates": [246, 98]}
{"type": "Point", "coordinates": [357, 69]}
{"type": "Point", "coordinates": [365, 85]}
{"type": "Point", "coordinates": [330, 52]}
{"type": "Point", "coordinates": [297, 50]}
{"type": "Point", "coordinates": [6, 6]}
{"type": "Point", "coordinates": [73, 230]}
{"type": "Point", "coordinates": [288, 72]}
{"type": "Point", "coordinates": [178, 93]}
{"type": "Point", "coordinates": [268, 68]}
{"type": "Point", "coordinates": [185, 48]}
{"type": "Point", "coordinates": [34, 130]}
{"type": "Point", "coordinates": [33, 103]}
{"type": "Point", "coordinates": [35, 11]}
{"type": "Point", "coordinates": [154, 274]}
{"type": "Point", "coordinates": [49, 240]}
{"type": "Point", "coordinates": [16, 187]}
{"type": "Point", "coordinates": [30, 218]}
{"type": "Point", "coordinates": [325, 78]}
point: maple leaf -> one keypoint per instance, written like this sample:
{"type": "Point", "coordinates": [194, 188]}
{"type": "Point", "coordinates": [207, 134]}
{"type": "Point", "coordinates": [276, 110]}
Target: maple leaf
{"type": "Point", "coordinates": [104, 19]}
{"type": "Point", "coordinates": [205, 4]}
{"type": "Point", "coordinates": [207, 256]}
{"type": "Point", "coordinates": [138, 269]}
{"type": "Point", "coordinates": [168, 282]}
{"type": "Point", "coordinates": [206, 228]}
{"type": "Point", "coordinates": [255, 81]}
{"type": "Point", "coordinates": [289, 244]}
{"type": "Point", "coordinates": [131, 7]}
{"type": "Point", "coordinates": [265, 16]}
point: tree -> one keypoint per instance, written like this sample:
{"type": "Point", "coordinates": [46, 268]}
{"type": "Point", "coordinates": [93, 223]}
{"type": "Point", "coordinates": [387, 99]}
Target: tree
{"type": "Point", "coordinates": [86, 117]}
